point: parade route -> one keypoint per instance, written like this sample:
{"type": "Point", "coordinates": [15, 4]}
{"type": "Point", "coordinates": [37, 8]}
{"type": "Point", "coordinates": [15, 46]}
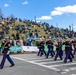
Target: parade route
{"type": "Point", "coordinates": [31, 64]}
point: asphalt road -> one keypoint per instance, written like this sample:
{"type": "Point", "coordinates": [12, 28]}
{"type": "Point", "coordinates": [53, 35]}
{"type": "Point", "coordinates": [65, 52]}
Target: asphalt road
{"type": "Point", "coordinates": [31, 64]}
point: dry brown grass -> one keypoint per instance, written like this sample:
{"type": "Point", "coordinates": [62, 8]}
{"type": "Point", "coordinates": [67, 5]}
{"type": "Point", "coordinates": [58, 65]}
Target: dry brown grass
{"type": "Point", "coordinates": [42, 32]}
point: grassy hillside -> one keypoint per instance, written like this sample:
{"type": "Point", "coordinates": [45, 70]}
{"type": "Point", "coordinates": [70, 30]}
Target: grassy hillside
{"type": "Point", "coordinates": [42, 32]}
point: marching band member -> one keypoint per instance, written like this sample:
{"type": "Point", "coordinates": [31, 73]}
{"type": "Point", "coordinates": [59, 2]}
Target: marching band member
{"type": "Point", "coordinates": [6, 54]}
{"type": "Point", "coordinates": [41, 48]}
{"type": "Point", "coordinates": [50, 48]}
{"type": "Point", "coordinates": [68, 49]}
{"type": "Point", "coordinates": [58, 51]}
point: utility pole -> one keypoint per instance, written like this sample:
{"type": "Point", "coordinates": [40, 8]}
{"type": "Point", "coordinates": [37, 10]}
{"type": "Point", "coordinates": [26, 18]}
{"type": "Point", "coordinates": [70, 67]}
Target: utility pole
{"type": "Point", "coordinates": [35, 18]}
{"type": "Point", "coordinates": [72, 27]}
{"type": "Point", "coordinates": [72, 31]}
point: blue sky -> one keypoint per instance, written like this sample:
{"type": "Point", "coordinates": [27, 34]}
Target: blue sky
{"type": "Point", "coordinates": [59, 13]}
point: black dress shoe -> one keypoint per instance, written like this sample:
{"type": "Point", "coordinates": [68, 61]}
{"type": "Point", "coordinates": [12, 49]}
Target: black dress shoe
{"type": "Point", "coordinates": [70, 61]}
{"type": "Point", "coordinates": [55, 59]}
{"type": "Point", "coordinates": [12, 65]}
{"type": "Point", "coordinates": [1, 67]}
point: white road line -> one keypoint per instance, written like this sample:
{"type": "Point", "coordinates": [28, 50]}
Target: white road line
{"type": "Point", "coordinates": [63, 72]}
{"type": "Point", "coordinates": [55, 69]}
{"type": "Point", "coordinates": [38, 59]}
{"type": "Point", "coordinates": [66, 70]}
{"type": "Point", "coordinates": [18, 58]}
{"type": "Point", "coordinates": [50, 62]}
{"type": "Point", "coordinates": [43, 59]}
{"type": "Point", "coordinates": [51, 59]}
{"type": "Point", "coordinates": [72, 63]}
{"type": "Point", "coordinates": [52, 68]}
{"type": "Point", "coordinates": [73, 68]}
{"type": "Point", "coordinates": [34, 58]}
{"type": "Point", "coordinates": [31, 58]}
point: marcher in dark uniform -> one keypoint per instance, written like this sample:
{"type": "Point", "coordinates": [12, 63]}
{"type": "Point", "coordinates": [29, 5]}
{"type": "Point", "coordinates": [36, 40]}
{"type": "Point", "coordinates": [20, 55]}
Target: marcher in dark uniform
{"type": "Point", "coordinates": [74, 42]}
{"type": "Point", "coordinates": [72, 48]}
{"type": "Point", "coordinates": [68, 49]}
{"type": "Point", "coordinates": [41, 48]}
{"type": "Point", "coordinates": [58, 51]}
{"type": "Point", "coordinates": [50, 48]}
{"type": "Point", "coordinates": [6, 54]}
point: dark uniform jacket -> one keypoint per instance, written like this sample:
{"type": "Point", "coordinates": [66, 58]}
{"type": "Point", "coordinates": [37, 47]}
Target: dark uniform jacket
{"type": "Point", "coordinates": [68, 47]}
{"type": "Point", "coordinates": [40, 45]}
{"type": "Point", "coordinates": [6, 47]}
{"type": "Point", "coordinates": [50, 44]}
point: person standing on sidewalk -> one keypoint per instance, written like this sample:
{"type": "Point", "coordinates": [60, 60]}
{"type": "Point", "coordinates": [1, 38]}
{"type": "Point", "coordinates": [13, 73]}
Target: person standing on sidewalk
{"type": "Point", "coordinates": [6, 54]}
